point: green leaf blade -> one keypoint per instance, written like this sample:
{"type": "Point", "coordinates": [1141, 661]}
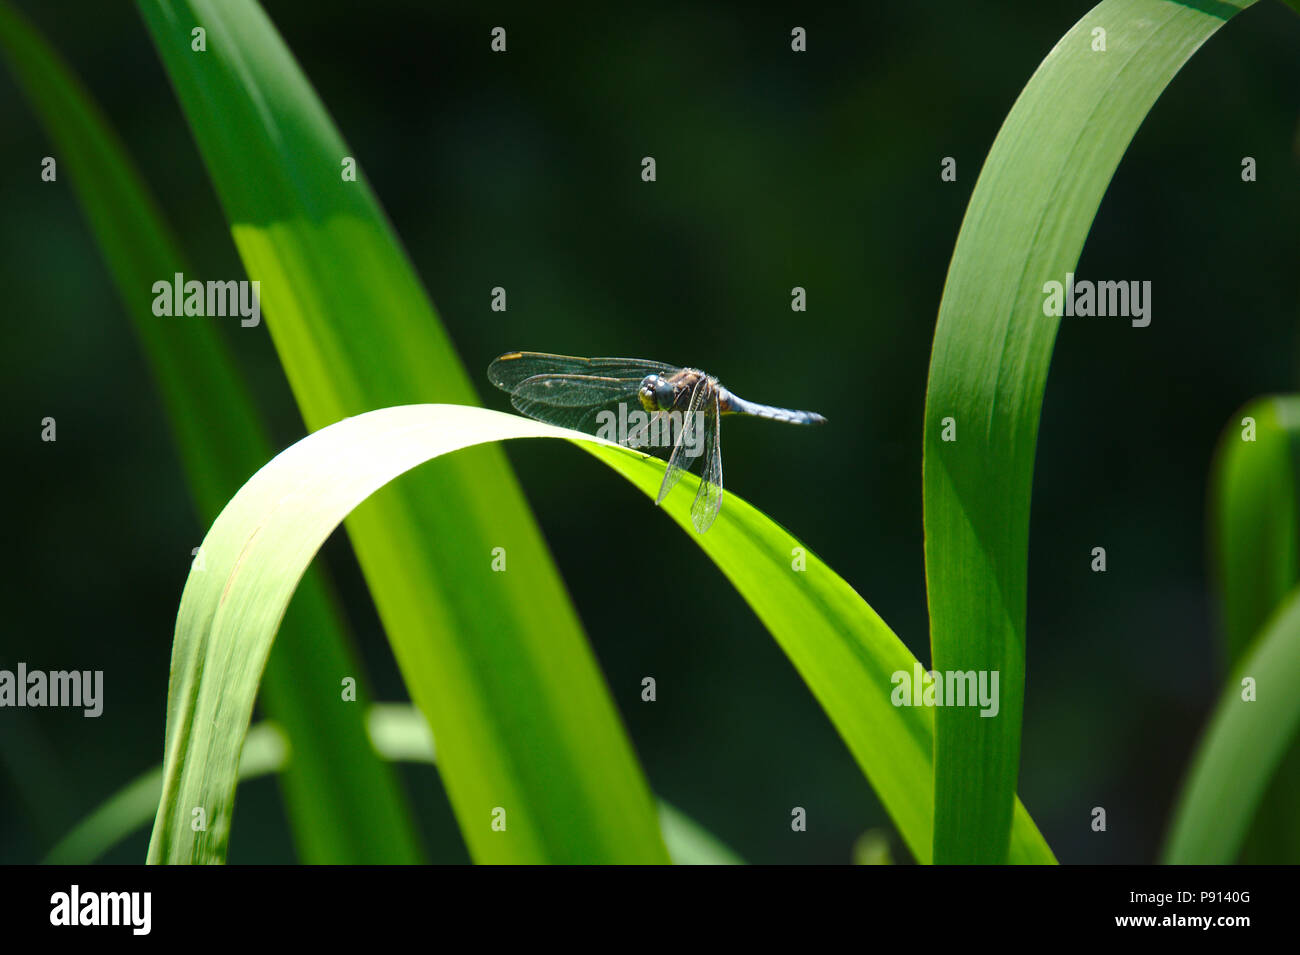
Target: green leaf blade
{"type": "Point", "coordinates": [1255, 519]}
{"type": "Point", "coordinates": [1255, 522]}
{"type": "Point", "coordinates": [1242, 748]}
{"type": "Point", "coordinates": [1026, 224]}
{"type": "Point", "coordinates": [344, 804]}
{"type": "Point", "coordinates": [398, 732]}
{"type": "Point", "coordinates": [265, 538]}
{"type": "Point", "coordinates": [355, 331]}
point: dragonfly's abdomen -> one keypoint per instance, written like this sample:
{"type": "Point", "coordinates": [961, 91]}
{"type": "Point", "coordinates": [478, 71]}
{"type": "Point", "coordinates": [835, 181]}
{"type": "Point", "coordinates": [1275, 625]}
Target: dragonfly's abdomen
{"type": "Point", "coordinates": [730, 403]}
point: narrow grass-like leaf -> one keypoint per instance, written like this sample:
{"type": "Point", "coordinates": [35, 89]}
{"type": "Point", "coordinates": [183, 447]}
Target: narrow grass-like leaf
{"type": "Point", "coordinates": [1028, 217]}
{"type": "Point", "coordinates": [1242, 748]}
{"type": "Point", "coordinates": [267, 535]}
{"type": "Point", "coordinates": [1255, 519]}
{"type": "Point", "coordinates": [872, 848]}
{"type": "Point", "coordinates": [344, 804]}
{"type": "Point", "coordinates": [1256, 535]}
{"type": "Point", "coordinates": [496, 661]}
{"type": "Point", "coordinates": [266, 749]}
{"type": "Point", "coordinates": [689, 843]}
{"type": "Point", "coordinates": [398, 732]}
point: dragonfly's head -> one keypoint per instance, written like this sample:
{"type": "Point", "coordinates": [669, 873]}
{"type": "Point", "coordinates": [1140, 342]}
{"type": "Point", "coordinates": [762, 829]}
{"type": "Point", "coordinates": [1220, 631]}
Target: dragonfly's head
{"type": "Point", "coordinates": [656, 394]}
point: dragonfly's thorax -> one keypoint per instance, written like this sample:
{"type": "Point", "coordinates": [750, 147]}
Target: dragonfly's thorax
{"type": "Point", "coordinates": [658, 393]}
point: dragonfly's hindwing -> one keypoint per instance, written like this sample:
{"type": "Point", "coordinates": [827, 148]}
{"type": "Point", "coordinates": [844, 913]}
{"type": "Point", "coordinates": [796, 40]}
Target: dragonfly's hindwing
{"type": "Point", "coordinates": [708, 499]}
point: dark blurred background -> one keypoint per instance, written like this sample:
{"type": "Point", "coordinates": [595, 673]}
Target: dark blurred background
{"type": "Point", "coordinates": [775, 169]}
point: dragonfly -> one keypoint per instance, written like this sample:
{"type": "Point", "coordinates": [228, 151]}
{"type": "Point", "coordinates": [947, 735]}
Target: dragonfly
{"type": "Point", "coordinates": [638, 403]}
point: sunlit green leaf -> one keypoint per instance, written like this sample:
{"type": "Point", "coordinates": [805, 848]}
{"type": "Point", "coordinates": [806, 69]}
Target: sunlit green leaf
{"type": "Point", "coordinates": [344, 804]}
{"type": "Point", "coordinates": [397, 731]}
{"type": "Point", "coordinates": [1257, 717]}
{"type": "Point", "coordinates": [1026, 224]}
{"type": "Point", "coordinates": [265, 538]}
{"type": "Point", "coordinates": [355, 331]}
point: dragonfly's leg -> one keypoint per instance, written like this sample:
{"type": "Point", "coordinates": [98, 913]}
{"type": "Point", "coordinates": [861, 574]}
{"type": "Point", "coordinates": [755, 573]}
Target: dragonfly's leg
{"type": "Point", "coordinates": [656, 432]}
{"type": "Point", "coordinates": [677, 462]}
{"type": "Point", "coordinates": [637, 437]}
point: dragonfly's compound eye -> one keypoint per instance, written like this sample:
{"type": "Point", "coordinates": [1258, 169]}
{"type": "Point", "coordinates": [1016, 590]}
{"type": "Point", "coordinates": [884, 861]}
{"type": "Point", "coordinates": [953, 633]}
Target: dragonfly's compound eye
{"type": "Point", "coordinates": [656, 394]}
{"type": "Point", "coordinates": [646, 394]}
{"type": "Point", "coordinates": [665, 394]}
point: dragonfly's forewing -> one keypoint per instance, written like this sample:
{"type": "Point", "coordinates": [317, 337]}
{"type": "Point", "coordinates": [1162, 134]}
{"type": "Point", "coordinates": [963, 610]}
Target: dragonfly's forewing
{"type": "Point", "coordinates": [511, 370]}
{"type": "Point", "coordinates": [708, 499]}
{"type": "Point", "coordinates": [680, 460]}
{"type": "Point", "coordinates": [586, 394]}
{"type": "Point", "coordinates": [573, 391]}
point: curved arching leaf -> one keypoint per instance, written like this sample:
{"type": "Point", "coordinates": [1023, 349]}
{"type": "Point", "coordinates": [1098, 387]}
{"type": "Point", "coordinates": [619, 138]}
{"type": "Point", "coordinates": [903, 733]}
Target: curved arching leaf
{"type": "Point", "coordinates": [1025, 226]}
{"type": "Point", "coordinates": [265, 538]}
{"type": "Point", "coordinates": [1257, 716]}
{"type": "Point", "coordinates": [1255, 556]}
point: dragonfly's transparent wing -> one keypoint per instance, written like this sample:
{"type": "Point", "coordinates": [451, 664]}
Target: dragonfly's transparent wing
{"type": "Point", "coordinates": [708, 499]}
{"type": "Point", "coordinates": [596, 395]}
{"type": "Point", "coordinates": [512, 369]}
{"type": "Point", "coordinates": [574, 391]}
{"type": "Point", "coordinates": [688, 437]}
{"type": "Point", "coordinates": [583, 402]}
